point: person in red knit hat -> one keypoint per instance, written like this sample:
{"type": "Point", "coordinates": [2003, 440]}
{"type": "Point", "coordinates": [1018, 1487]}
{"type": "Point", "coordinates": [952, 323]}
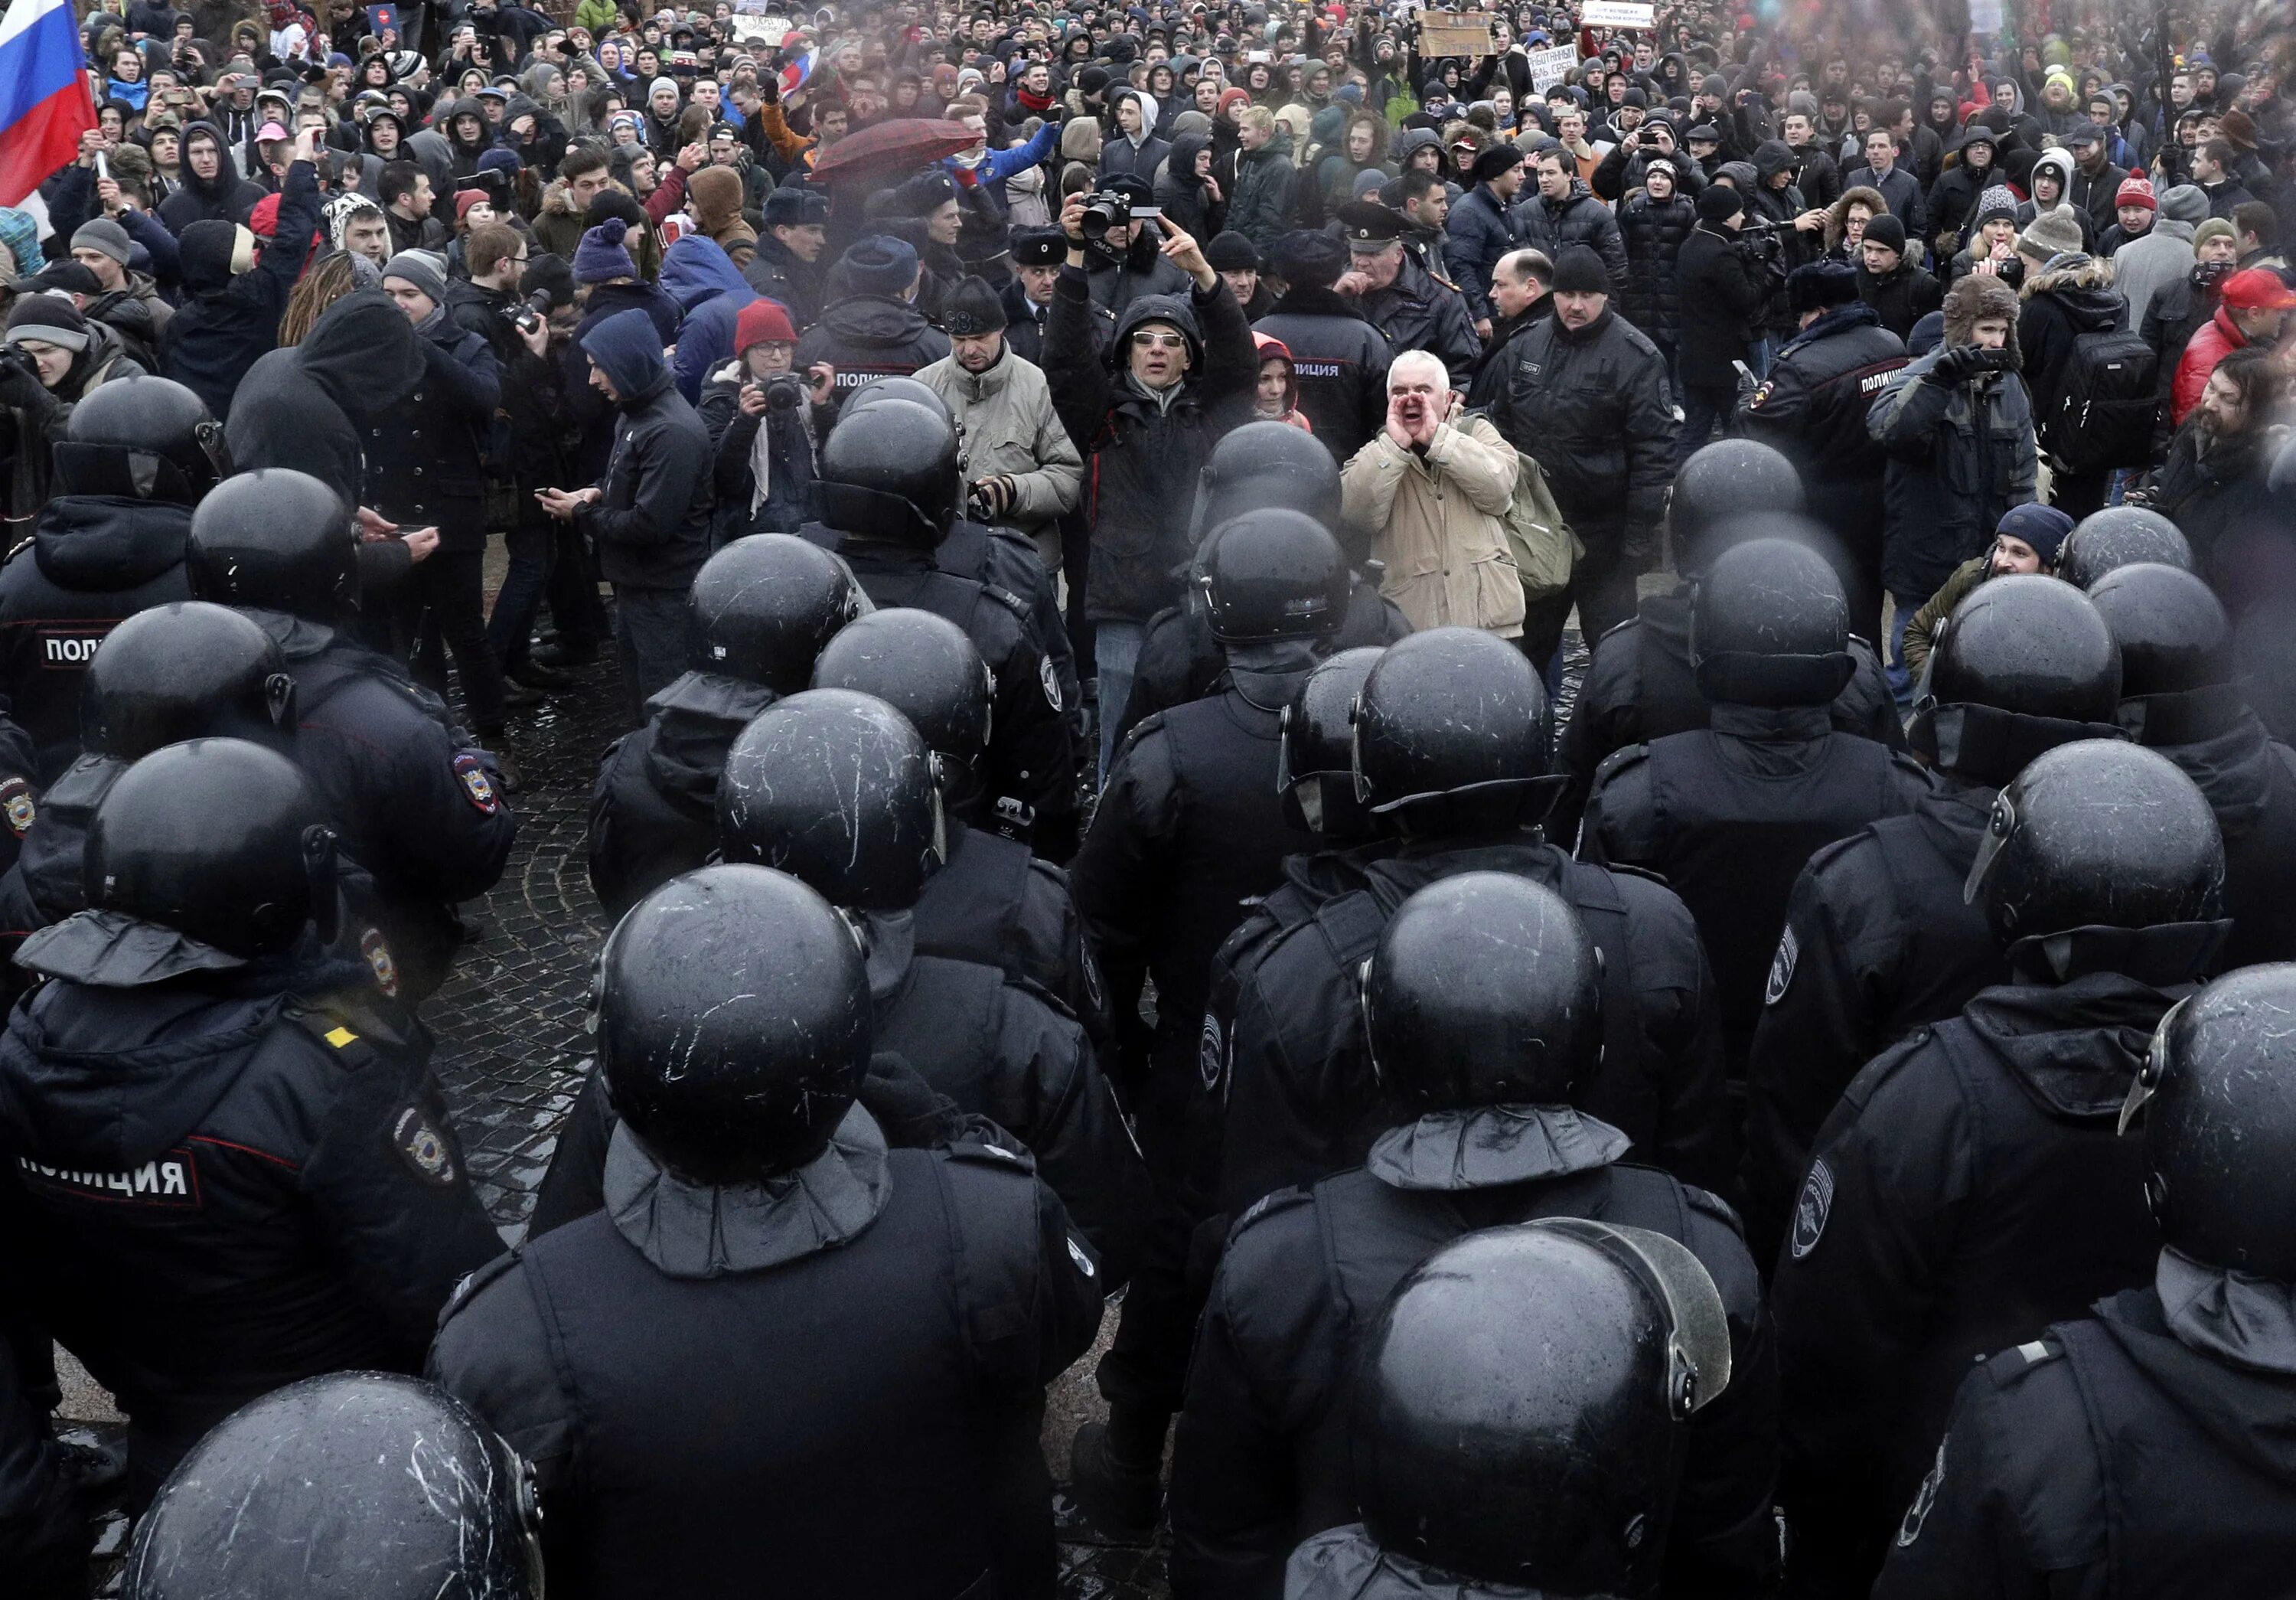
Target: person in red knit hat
{"type": "Point", "coordinates": [763, 420]}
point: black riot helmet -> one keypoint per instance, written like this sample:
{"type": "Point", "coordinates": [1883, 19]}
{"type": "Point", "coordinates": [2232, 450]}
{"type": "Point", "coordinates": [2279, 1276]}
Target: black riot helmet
{"type": "Point", "coordinates": [220, 840]}
{"type": "Point", "coordinates": [733, 1023]}
{"type": "Point", "coordinates": [353, 1486]}
{"type": "Point", "coordinates": [1732, 480]}
{"type": "Point", "coordinates": [1453, 735]}
{"type": "Point", "coordinates": [1769, 626]}
{"type": "Point", "coordinates": [2218, 1094]}
{"type": "Point", "coordinates": [2116, 536]}
{"type": "Point", "coordinates": [186, 670]}
{"type": "Point", "coordinates": [1316, 768]}
{"type": "Point", "coordinates": [2096, 835]}
{"type": "Point", "coordinates": [1516, 1414]}
{"type": "Point", "coordinates": [888, 472]}
{"type": "Point", "coordinates": [1485, 991]}
{"type": "Point", "coordinates": [2177, 676]}
{"type": "Point", "coordinates": [1274, 574]}
{"type": "Point", "coordinates": [896, 385]}
{"type": "Point", "coordinates": [2022, 665]}
{"type": "Point", "coordinates": [147, 439]}
{"type": "Point", "coordinates": [764, 605]}
{"type": "Point", "coordinates": [837, 788]}
{"type": "Point", "coordinates": [277, 540]}
{"type": "Point", "coordinates": [925, 667]}
{"type": "Point", "coordinates": [1264, 465]}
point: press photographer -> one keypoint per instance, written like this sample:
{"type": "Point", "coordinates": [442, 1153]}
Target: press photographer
{"type": "Point", "coordinates": [761, 416]}
{"type": "Point", "coordinates": [1724, 278]}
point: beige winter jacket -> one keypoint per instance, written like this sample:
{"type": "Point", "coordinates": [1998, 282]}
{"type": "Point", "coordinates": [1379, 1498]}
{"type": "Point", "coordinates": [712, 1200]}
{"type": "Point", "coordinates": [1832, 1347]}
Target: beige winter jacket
{"type": "Point", "coordinates": [1009, 428]}
{"type": "Point", "coordinates": [1438, 522]}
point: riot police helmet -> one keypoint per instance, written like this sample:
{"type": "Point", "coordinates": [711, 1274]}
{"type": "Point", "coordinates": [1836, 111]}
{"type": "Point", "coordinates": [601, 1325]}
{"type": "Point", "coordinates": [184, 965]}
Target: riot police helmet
{"type": "Point", "coordinates": [888, 472]}
{"type": "Point", "coordinates": [1769, 626]}
{"type": "Point", "coordinates": [276, 539]}
{"type": "Point", "coordinates": [1485, 991]}
{"type": "Point", "coordinates": [2179, 680]}
{"type": "Point", "coordinates": [1452, 735]}
{"type": "Point", "coordinates": [1734, 482]}
{"type": "Point", "coordinates": [145, 438]}
{"type": "Point", "coordinates": [2116, 536]}
{"type": "Point", "coordinates": [764, 607]}
{"type": "Point", "coordinates": [221, 840]}
{"type": "Point", "coordinates": [925, 667]}
{"type": "Point", "coordinates": [1316, 770]}
{"type": "Point", "coordinates": [352, 1485]}
{"type": "Point", "coordinates": [838, 790]}
{"type": "Point", "coordinates": [733, 1023]}
{"type": "Point", "coordinates": [2218, 1095]}
{"type": "Point", "coordinates": [896, 386]}
{"type": "Point", "coordinates": [2023, 664]}
{"type": "Point", "coordinates": [1517, 1413]}
{"type": "Point", "coordinates": [2094, 834]}
{"type": "Point", "coordinates": [1265, 464]}
{"type": "Point", "coordinates": [185, 670]}
{"type": "Point", "coordinates": [1271, 575]}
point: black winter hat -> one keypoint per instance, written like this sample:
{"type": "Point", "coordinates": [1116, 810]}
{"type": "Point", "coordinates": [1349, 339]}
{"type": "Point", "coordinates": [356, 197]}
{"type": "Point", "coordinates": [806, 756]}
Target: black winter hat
{"type": "Point", "coordinates": [1886, 230]}
{"type": "Point", "coordinates": [972, 308]}
{"type": "Point", "coordinates": [1718, 202]}
{"type": "Point", "coordinates": [1305, 258]}
{"type": "Point", "coordinates": [1820, 286]}
{"type": "Point", "coordinates": [1229, 251]}
{"type": "Point", "coordinates": [1579, 270]}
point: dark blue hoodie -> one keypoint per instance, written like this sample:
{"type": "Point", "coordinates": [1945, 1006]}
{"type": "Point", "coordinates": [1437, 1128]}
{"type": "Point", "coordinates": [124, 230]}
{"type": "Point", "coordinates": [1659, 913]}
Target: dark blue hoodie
{"type": "Point", "coordinates": [651, 521]}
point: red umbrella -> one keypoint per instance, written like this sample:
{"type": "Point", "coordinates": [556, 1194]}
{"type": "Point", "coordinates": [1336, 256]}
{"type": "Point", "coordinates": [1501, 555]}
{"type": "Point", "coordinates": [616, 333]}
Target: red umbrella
{"type": "Point", "coordinates": [886, 147]}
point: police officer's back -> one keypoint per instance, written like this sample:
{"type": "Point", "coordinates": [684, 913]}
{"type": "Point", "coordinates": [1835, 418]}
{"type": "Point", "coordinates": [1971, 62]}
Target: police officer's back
{"type": "Point", "coordinates": [1640, 684]}
{"type": "Point", "coordinates": [1451, 748]}
{"type": "Point", "coordinates": [1574, 1357]}
{"type": "Point", "coordinates": [1879, 936]}
{"type": "Point", "coordinates": [418, 805]}
{"type": "Point", "coordinates": [1728, 815]}
{"type": "Point", "coordinates": [2181, 694]}
{"type": "Point", "coordinates": [357, 1483]}
{"type": "Point", "coordinates": [1340, 359]}
{"type": "Point", "coordinates": [2144, 1450]}
{"type": "Point", "coordinates": [242, 1169]}
{"type": "Point", "coordinates": [1485, 1021]}
{"type": "Point", "coordinates": [783, 1353]}
{"type": "Point", "coordinates": [136, 457]}
{"type": "Point", "coordinates": [763, 607]}
{"type": "Point", "coordinates": [1969, 1188]}
{"type": "Point", "coordinates": [887, 489]}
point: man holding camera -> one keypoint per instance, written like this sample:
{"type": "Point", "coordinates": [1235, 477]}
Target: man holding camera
{"type": "Point", "coordinates": [1021, 469]}
{"type": "Point", "coordinates": [1724, 283]}
{"type": "Point", "coordinates": [1124, 258]}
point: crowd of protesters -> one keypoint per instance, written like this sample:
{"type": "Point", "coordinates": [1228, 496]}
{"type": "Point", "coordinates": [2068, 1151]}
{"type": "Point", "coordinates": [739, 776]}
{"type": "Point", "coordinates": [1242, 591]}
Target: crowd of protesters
{"type": "Point", "coordinates": [1107, 388]}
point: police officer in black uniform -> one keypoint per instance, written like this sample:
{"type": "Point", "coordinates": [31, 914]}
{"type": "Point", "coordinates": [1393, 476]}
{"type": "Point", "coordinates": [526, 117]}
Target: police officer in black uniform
{"type": "Point", "coordinates": [417, 805]}
{"type": "Point", "coordinates": [1412, 307]}
{"type": "Point", "coordinates": [136, 457]}
{"type": "Point", "coordinates": [887, 489]}
{"type": "Point", "coordinates": [1485, 1024]}
{"type": "Point", "coordinates": [991, 900]}
{"type": "Point", "coordinates": [1451, 749]}
{"type": "Point", "coordinates": [1878, 936]}
{"type": "Point", "coordinates": [1257, 466]}
{"type": "Point", "coordinates": [784, 1352]}
{"type": "Point", "coordinates": [763, 608]}
{"type": "Point", "coordinates": [2181, 694]}
{"type": "Point", "coordinates": [44, 1536]}
{"type": "Point", "coordinates": [1338, 358]}
{"type": "Point", "coordinates": [1969, 1188]}
{"type": "Point", "coordinates": [2144, 1450]}
{"type": "Point", "coordinates": [1728, 815]}
{"type": "Point", "coordinates": [1189, 827]}
{"type": "Point", "coordinates": [184, 670]}
{"type": "Point", "coordinates": [1573, 1357]}
{"type": "Point", "coordinates": [2116, 537]}
{"type": "Point", "coordinates": [355, 1483]}
{"type": "Point", "coordinates": [240, 1168]}
{"type": "Point", "coordinates": [1639, 685]}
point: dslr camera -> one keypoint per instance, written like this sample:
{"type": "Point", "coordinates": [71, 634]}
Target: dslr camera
{"type": "Point", "coordinates": [784, 391]}
{"type": "Point", "coordinates": [1105, 210]}
{"type": "Point", "coordinates": [530, 312]}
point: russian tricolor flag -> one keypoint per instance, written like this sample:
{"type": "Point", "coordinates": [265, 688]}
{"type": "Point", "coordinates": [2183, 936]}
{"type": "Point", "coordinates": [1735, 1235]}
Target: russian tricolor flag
{"type": "Point", "coordinates": [44, 98]}
{"type": "Point", "coordinates": [794, 76]}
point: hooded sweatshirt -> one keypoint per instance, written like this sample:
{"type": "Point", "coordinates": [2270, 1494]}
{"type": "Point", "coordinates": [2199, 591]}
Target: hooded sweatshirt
{"type": "Point", "coordinates": [303, 408]}
{"type": "Point", "coordinates": [708, 287]}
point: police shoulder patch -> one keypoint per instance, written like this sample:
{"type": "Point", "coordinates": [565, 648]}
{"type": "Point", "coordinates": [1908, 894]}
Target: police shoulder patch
{"type": "Point", "coordinates": [1051, 680]}
{"type": "Point", "coordinates": [1924, 1500]}
{"type": "Point", "coordinates": [18, 807]}
{"type": "Point", "coordinates": [1212, 1054]}
{"type": "Point", "coordinates": [1781, 966]}
{"type": "Point", "coordinates": [376, 951]}
{"type": "Point", "coordinates": [423, 1147]}
{"type": "Point", "coordinates": [478, 786]}
{"type": "Point", "coordinates": [1082, 1257]}
{"type": "Point", "coordinates": [1811, 1210]}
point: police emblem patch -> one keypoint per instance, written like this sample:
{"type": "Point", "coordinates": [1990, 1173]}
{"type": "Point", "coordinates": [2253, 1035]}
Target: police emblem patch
{"type": "Point", "coordinates": [1782, 967]}
{"type": "Point", "coordinates": [423, 1147]}
{"type": "Point", "coordinates": [1049, 679]}
{"type": "Point", "coordinates": [379, 961]}
{"type": "Point", "coordinates": [1083, 1262]}
{"type": "Point", "coordinates": [17, 804]}
{"type": "Point", "coordinates": [476, 784]}
{"type": "Point", "coordinates": [1811, 1210]}
{"type": "Point", "coordinates": [1918, 1512]}
{"type": "Point", "coordinates": [1212, 1054]}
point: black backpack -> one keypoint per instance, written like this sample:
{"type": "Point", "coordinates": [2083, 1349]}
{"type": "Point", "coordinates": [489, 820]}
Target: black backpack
{"type": "Point", "coordinates": [2105, 404]}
